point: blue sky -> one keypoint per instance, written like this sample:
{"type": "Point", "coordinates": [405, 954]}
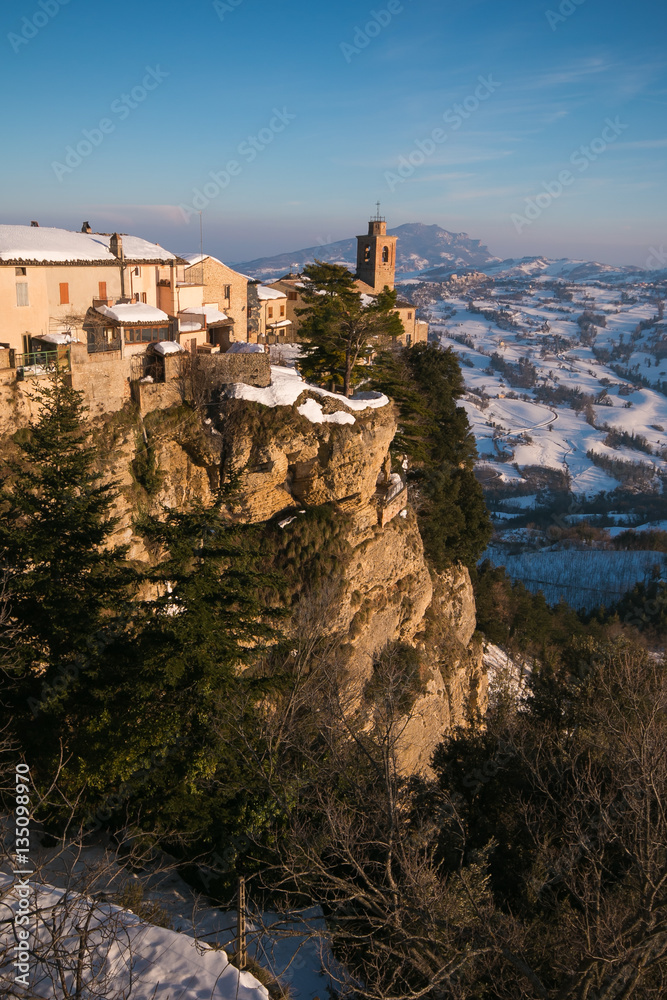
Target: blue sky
{"type": "Point", "coordinates": [337, 98]}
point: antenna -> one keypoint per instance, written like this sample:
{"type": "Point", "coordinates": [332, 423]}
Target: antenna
{"type": "Point", "coordinates": [201, 250]}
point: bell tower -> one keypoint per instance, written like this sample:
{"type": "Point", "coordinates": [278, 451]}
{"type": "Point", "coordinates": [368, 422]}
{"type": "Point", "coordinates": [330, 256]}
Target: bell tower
{"type": "Point", "coordinates": [376, 255]}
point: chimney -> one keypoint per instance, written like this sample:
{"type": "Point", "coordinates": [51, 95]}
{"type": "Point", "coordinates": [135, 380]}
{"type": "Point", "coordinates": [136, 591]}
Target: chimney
{"type": "Point", "coordinates": [85, 228]}
{"type": "Point", "coordinates": [116, 246]}
{"type": "Point", "coordinates": [35, 224]}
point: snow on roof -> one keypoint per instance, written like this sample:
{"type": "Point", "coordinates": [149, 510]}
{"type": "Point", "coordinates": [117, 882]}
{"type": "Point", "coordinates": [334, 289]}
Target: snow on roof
{"type": "Point", "coordinates": [168, 347]}
{"type": "Point", "coordinates": [283, 323]}
{"type": "Point", "coordinates": [133, 312]}
{"type": "Point", "coordinates": [241, 348]}
{"type": "Point", "coordinates": [212, 313]}
{"type": "Point", "coordinates": [197, 258]}
{"type": "Point", "coordinates": [190, 325]}
{"type": "Point", "coordinates": [56, 338]}
{"type": "Point", "coordinates": [52, 246]}
{"type": "Point", "coordinates": [264, 293]}
{"type": "Point", "coordinates": [287, 385]}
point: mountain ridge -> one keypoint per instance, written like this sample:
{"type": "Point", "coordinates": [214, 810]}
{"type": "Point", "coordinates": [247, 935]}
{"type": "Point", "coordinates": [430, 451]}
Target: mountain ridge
{"type": "Point", "coordinates": [431, 253]}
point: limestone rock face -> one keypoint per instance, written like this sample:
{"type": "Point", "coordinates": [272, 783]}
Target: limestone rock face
{"type": "Point", "coordinates": [388, 594]}
{"type": "Point", "coordinates": [288, 460]}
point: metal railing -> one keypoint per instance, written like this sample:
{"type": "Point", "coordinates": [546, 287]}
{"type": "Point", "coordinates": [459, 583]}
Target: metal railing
{"type": "Point", "coordinates": [191, 276]}
{"type": "Point", "coordinates": [103, 347]}
{"type": "Point", "coordinates": [38, 363]}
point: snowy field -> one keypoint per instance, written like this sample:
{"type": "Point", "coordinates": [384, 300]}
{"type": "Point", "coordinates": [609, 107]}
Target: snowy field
{"type": "Point", "coordinates": [585, 579]}
{"type": "Point", "coordinates": [575, 383]}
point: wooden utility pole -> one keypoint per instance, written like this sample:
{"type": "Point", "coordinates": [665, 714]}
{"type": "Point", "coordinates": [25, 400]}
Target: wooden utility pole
{"type": "Point", "coordinates": [241, 945]}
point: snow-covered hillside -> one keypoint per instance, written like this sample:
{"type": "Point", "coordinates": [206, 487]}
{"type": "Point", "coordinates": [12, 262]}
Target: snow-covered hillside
{"type": "Point", "coordinates": [568, 377]}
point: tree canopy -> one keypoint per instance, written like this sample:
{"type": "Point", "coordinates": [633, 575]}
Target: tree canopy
{"type": "Point", "coordinates": [339, 331]}
{"type": "Point", "coordinates": [434, 434]}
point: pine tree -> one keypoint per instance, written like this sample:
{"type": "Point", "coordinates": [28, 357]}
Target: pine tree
{"type": "Point", "coordinates": [180, 680]}
{"type": "Point", "coordinates": [426, 383]}
{"type": "Point", "coordinates": [65, 580]}
{"type": "Point", "coordinates": [339, 332]}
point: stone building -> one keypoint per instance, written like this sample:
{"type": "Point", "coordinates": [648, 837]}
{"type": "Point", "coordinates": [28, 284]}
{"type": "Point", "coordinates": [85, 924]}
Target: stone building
{"type": "Point", "coordinates": [50, 279]}
{"type": "Point", "coordinates": [268, 322]}
{"type": "Point", "coordinates": [376, 270]}
{"type": "Point", "coordinates": [210, 299]}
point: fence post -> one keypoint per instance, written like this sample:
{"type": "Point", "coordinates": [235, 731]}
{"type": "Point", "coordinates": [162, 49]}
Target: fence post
{"type": "Point", "coordinates": [241, 944]}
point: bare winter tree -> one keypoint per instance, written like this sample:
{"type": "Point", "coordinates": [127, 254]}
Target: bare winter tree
{"type": "Point", "coordinates": [534, 867]}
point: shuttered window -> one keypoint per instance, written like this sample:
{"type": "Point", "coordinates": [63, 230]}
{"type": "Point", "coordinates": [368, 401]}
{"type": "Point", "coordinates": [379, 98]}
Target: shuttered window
{"type": "Point", "coordinates": [22, 294]}
{"type": "Point", "coordinates": [103, 289]}
{"type": "Point", "coordinates": [64, 293]}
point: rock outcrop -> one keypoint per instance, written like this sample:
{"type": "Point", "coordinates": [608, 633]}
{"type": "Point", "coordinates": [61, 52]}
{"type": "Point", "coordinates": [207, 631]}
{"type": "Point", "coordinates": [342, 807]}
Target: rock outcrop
{"type": "Point", "coordinates": [285, 461]}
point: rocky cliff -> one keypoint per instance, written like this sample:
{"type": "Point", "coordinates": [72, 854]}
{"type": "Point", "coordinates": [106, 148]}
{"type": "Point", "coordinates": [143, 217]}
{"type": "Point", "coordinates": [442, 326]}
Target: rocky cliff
{"type": "Point", "coordinates": [317, 452]}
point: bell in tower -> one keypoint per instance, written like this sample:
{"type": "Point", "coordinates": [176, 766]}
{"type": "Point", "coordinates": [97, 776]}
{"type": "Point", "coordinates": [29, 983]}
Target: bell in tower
{"type": "Point", "coordinates": [376, 255]}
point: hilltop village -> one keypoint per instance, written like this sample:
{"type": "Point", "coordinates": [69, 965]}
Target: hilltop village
{"type": "Point", "coordinates": [116, 310]}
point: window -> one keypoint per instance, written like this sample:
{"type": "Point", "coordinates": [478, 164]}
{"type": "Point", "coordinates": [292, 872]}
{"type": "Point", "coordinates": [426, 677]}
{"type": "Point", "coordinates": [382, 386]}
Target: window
{"type": "Point", "coordinates": [22, 294]}
{"type": "Point", "coordinates": [228, 291]}
{"type": "Point", "coordinates": [64, 293]}
{"type": "Point", "coordinates": [385, 255]}
{"type": "Point", "coordinates": [20, 272]}
{"type": "Point", "coordinates": [137, 271]}
{"type": "Point", "coordinates": [282, 310]}
{"type": "Point", "coordinates": [146, 334]}
{"type": "Point", "coordinates": [144, 298]}
{"type": "Point", "coordinates": [367, 254]}
{"type": "Point", "coordinates": [409, 315]}
{"type": "Point", "coordinates": [270, 312]}
{"type": "Point", "coordinates": [292, 296]}
{"type": "Point", "coordinates": [102, 287]}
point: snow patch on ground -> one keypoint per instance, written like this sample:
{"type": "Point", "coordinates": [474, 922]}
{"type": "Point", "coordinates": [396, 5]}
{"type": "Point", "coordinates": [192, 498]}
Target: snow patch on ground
{"type": "Point", "coordinates": [313, 411]}
{"type": "Point", "coordinates": [287, 385]}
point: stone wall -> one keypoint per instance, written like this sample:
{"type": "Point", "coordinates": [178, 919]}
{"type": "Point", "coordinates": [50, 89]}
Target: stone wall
{"type": "Point", "coordinates": [104, 379]}
{"type": "Point", "coordinates": [227, 369]}
{"type": "Point", "coordinates": [151, 396]}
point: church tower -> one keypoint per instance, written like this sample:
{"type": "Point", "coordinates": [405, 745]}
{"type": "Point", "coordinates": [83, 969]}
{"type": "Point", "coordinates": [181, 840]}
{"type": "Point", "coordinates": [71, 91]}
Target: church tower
{"type": "Point", "coordinates": [376, 255]}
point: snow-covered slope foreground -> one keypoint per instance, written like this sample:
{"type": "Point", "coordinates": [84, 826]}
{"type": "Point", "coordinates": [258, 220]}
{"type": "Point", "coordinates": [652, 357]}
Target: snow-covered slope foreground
{"type": "Point", "coordinates": [560, 376]}
{"type": "Point", "coordinates": [110, 952]}
{"type": "Point", "coordinates": [75, 928]}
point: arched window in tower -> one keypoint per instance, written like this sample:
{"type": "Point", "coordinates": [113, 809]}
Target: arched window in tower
{"type": "Point", "coordinates": [385, 255]}
{"type": "Point", "coordinates": [367, 254]}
